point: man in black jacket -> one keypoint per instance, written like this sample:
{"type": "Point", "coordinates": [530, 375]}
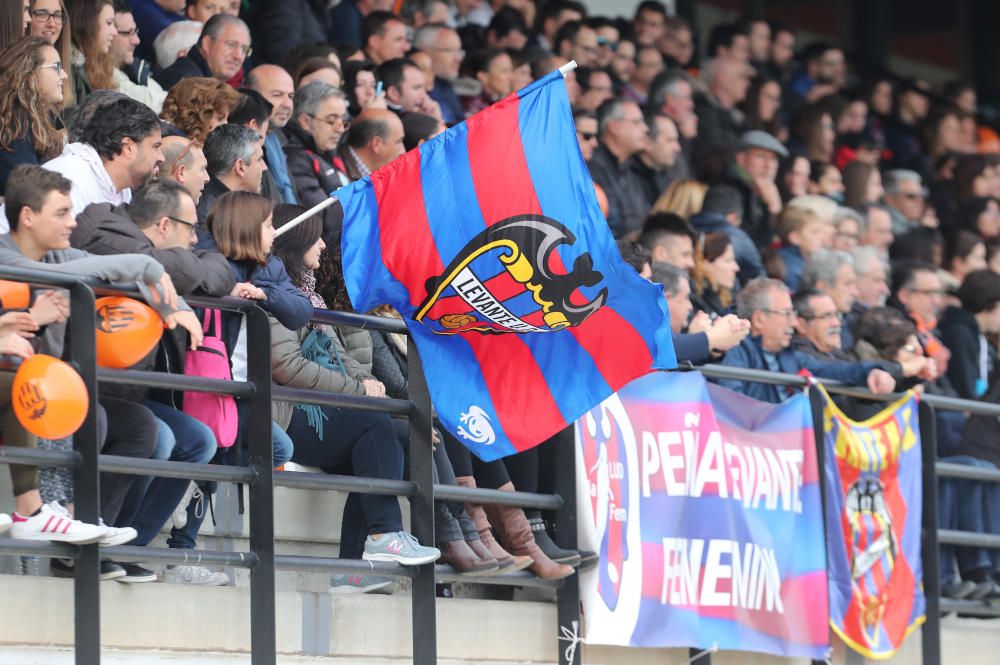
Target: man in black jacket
{"type": "Point", "coordinates": [235, 158]}
{"type": "Point", "coordinates": [223, 46]}
{"type": "Point", "coordinates": [622, 134]}
{"type": "Point", "coordinates": [319, 120]}
{"type": "Point", "coordinates": [159, 223]}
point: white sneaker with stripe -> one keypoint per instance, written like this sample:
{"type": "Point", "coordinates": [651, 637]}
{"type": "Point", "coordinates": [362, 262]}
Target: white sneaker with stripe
{"type": "Point", "coordinates": [55, 525]}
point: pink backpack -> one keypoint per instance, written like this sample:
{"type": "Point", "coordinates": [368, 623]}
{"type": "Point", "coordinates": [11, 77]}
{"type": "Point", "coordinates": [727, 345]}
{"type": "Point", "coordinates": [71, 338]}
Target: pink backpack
{"type": "Point", "coordinates": [211, 360]}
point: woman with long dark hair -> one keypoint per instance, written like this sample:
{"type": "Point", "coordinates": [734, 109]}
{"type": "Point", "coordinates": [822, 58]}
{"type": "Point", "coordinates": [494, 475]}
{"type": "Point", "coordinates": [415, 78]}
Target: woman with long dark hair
{"type": "Point", "coordinates": [340, 440]}
{"type": "Point", "coordinates": [32, 76]}
{"type": "Point", "coordinates": [93, 33]}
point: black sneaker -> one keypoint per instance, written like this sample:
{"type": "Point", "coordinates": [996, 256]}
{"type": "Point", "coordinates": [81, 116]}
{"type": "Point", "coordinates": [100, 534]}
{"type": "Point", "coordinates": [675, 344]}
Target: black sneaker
{"type": "Point", "coordinates": [65, 568]}
{"type": "Point", "coordinates": [135, 574]}
{"type": "Point", "coordinates": [958, 590]}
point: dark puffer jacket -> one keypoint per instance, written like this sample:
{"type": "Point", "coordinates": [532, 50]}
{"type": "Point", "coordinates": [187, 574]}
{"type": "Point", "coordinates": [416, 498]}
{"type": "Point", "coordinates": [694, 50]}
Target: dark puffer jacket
{"type": "Point", "coordinates": [314, 178]}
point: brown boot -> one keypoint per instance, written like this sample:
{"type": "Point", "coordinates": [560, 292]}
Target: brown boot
{"type": "Point", "coordinates": [460, 556]}
{"type": "Point", "coordinates": [508, 562]}
{"type": "Point", "coordinates": [515, 532]}
{"type": "Point", "coordinates": [482, 552]}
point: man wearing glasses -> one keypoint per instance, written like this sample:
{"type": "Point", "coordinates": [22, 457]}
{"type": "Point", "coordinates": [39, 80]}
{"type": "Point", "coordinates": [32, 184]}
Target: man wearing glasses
{"type": "Point", "coordinates": [767, 304]}
{"type": "Point", "coordinates": [132, 74]}
{"type": "Point", "coordinates": [818, 326]}
{"type": "Point", "coordinates": [905, 199]}
{"type": "Point", "coordinates": [221, 50]}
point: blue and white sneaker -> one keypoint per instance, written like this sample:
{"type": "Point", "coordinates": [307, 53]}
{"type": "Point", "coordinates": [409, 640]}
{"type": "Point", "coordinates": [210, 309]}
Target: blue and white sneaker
{"type": "Point", "coordinates": [361, 584]}
{"type": "Point", "coordinates": [399, 547]}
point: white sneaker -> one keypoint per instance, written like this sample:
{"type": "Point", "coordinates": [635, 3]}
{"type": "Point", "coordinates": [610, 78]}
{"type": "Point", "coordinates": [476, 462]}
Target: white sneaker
{"type": "Point", "coordinates": [198, 575]}
{"type": "Point", "coordinates": [54, 523]}
{"type": "Point", "coordinates": [179, 518]}
{"type": "Point", "coordinates": [118, 535]}
{"type": "Point", "coordinates": [5, 522]}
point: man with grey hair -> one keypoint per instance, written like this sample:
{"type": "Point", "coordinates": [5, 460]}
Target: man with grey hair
{"type": "Point", "coordinates": [872, 270]}
{"type": "Point", "coordinates": [672, 94]}
{"type": "Point", "coordinates": [653, 165]}
{"type": "Point", "coordinates": [701, 339]}
{"type": "Point", "coordinates": [905, 199]}
{"type": "Point", "coordinates": [235, 164]}
{"type": "Point", "coordinates": [831, 272]}
{"type": "Point", "coordinates": [175, 41]}
{"type": "Point", "coordinates": [445, 48]}
{"type": "Point", "coordinates": [767, 304]}
{"type": "Point", "coordinates": [222, 47]}
{"type": "Point", "coordinates": [720, 122]}
{"type": "Point", "coordinates": [318, 123]}
{"type": "Point", "coordinates": [876, 228]}
{"type": "Point", "coordinates": [622, 133]}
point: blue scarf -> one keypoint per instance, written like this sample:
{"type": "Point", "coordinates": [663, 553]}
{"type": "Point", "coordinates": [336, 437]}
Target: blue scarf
{"type": "Point", "coordinates": [319, 348]}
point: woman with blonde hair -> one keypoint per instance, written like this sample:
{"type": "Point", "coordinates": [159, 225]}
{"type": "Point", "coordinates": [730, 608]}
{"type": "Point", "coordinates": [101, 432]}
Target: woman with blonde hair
{"type": "Point", "coordinates": [50, 21]}
{"type": "Point", "coordinates": [32, 76]}
{"type": "Point", "coordinates": [715, 271]}
{"type": "Point", "coordinates": [198, 105]}
{"type": "Point", "coordinates": [683, 197]}
{"type": "Point", "coordinates": [93, 34]}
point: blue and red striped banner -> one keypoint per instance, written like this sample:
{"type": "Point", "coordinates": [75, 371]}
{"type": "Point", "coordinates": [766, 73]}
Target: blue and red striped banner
{"type": "Point", "coordinates": [704, 506]}
{"type": "Point", "coordinates": [489, 240]}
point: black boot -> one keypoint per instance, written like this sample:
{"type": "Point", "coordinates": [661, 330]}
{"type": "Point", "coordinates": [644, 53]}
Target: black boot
{"type": "Point", "coordinates": [557, 554]}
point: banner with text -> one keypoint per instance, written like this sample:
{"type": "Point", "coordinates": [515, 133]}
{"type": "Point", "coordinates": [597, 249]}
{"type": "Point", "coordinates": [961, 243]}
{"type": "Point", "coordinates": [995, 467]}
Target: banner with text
{"type": "Point", "coordinates": [704, 506]}
{"type": "Point", "coordinates": [874, 500]}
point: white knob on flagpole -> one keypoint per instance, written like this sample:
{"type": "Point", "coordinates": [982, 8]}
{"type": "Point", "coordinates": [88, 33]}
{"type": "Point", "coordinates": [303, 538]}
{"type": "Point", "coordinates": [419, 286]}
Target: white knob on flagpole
{"type": "Point", "coordinates": [315, 210]}
{"type": "Point", "coordinates": [568, 67]}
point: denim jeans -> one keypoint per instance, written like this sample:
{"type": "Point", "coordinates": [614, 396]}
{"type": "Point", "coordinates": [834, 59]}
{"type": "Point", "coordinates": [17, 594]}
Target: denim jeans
{"type": "Point", "coordinates": [190, 441]}
{"type": "Point", "coordinates": [968, 505]}
{"type": "Point", "coordinates": [236, 455]}
{"type": "Point", "coordinates": [354, 443]}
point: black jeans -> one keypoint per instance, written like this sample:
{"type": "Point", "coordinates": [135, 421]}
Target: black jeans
{"type": "Point", "coordinates": [128, 429]}
{"type": "Point", "coordinates": [354, 443]}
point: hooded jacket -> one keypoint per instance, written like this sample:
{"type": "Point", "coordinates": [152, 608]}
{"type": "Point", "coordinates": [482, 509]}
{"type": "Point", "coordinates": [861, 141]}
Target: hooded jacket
{"type": "Point", "coordinates": [972, 359]}
{"type": "Point", "coordinates": [314, 177]}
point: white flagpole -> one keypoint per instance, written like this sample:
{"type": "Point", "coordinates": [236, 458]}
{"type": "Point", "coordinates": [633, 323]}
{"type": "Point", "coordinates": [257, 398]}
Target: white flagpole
{"type": "Point", "coordinates": [315, 210]}
{"type": "Point", "coordinates": [568, 67]}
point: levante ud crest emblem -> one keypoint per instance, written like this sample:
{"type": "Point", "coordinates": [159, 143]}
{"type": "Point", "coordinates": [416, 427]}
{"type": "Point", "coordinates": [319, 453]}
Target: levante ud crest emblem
{"type": "Point", "coordinates": [510, 279]}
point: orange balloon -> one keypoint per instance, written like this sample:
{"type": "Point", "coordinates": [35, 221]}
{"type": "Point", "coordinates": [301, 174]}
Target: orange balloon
{"type": "Point", "coordinates": [14, 295]}
{"type": "Point", "coordinates": [127, 330]}
{"type": "Point", "coordinates": [602, 199]}
{"type": "Point", "coordinates": [49, 397]}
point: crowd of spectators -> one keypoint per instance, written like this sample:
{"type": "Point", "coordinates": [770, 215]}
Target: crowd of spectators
{"type": "Point", "coordinates": [801, 217]}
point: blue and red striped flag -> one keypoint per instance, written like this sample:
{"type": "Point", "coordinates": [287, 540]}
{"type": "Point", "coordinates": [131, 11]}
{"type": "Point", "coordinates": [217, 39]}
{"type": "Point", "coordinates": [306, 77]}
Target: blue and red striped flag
{"type": "Point", "coordinates": [489, 241]}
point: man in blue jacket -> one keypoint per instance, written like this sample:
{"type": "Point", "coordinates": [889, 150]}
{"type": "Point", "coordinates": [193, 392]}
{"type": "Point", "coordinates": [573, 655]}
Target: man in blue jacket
{"type": "Point", "coordinates": [767, 304]}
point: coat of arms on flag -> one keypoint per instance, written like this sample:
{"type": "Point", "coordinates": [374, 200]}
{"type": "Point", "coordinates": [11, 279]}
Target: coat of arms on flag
{"type": "Point", "coordinates": [874, 500]}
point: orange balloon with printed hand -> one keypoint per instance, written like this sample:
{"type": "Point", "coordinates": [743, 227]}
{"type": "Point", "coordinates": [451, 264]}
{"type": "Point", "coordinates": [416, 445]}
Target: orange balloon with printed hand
{"type": "Point", "coordinates": [14, 295]}
{"type": "Point", "coordinates": [49, 398]}
{"type": "Point", "coordinates": [127, 331]}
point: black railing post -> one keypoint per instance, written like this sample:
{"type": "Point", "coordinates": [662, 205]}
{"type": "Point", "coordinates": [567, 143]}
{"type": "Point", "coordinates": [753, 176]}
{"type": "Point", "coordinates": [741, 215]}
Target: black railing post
{"type": "Point", "coordinates": [422, 510]}
{"type": "Point", "coordinates": [931, 631]}
{"type": "Point", "coordinates": [263, 637]}
{"type": "Point", "coordinates": [819, 435]}
{"type": "Point", "coordinates": [86, 480]}
{"type": "Point", "coordinates": [568, 594]}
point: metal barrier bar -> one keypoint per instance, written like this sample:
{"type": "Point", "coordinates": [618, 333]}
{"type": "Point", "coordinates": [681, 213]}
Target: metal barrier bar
{"type": "Point", "coordinates": [322, 564]}
{"type": "Point", "coordinates": [423, 602]}
{"type": "Point", "coordinates": [497, 497]}
{"type": "Point", "coordinates": [972, 607]}
{"type": "Point", "coordinates": [263, 622]}
{"type": "Point", "coordinates": [394, 407]}
{"type": "Point", "coordinates": [64, 459]}
{"type": "Point", "coordinates": [323, 481]}
{"type": "Point", "coordinates": [521, 578]}
{"type": "Point", "coordinates": [968, 539]}
{"type": "Point", "coordinates": [86, 479]}
{"type": "Point", "coordinates": [136, 466]}
{"type": "Point", "coordinates": [132, 377]}
{"type": "Point", "coordinates": [568, 593]}
{"type": "Point", "coordinates": [948, 470]}
{"type": "Point", "coordinates": [930, 634]}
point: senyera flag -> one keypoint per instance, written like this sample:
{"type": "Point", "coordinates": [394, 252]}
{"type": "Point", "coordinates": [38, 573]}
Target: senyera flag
{"type": "Point", "coordinates": [488, 239]}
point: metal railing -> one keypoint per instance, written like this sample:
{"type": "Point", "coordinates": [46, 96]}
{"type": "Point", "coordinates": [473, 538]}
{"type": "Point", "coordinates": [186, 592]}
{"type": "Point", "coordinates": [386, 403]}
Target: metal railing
{"type": "Point", "coordinates": [261, 559]}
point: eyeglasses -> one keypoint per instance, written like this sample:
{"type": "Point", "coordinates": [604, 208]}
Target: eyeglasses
{"type": "Point", "coordinates": [911, 348]}
{"type": "Point", "coordinates": [912, 196]}
{"type": "Point", "coordinates": [191, 225]}
{"type": "Point", "coordinates": [57, 66]}
{"type": "Point", "coordinates": [134, 32]}
{"type": "Point", "coordinates": [926, 292]}
{"type": "Point", "coordinates": [829, 316]}
{"type": "Point", "coordinates": [43, 15]}
{"type": "Point", "coordinates": [588, 136]}
{"type": "Point", "coordinates": [233, 45]}
{"type": "Point", "coordinates": [784, 313]}
{"type": "Point", "coordinates": [333, 119]}
{"type": "Point", "coordinates": [450, 51]}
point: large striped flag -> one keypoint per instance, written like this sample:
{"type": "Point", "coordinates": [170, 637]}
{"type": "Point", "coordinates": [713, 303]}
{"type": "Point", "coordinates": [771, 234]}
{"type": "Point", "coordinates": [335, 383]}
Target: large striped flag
{"type": "Point", "coordinates": [490, 242]}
